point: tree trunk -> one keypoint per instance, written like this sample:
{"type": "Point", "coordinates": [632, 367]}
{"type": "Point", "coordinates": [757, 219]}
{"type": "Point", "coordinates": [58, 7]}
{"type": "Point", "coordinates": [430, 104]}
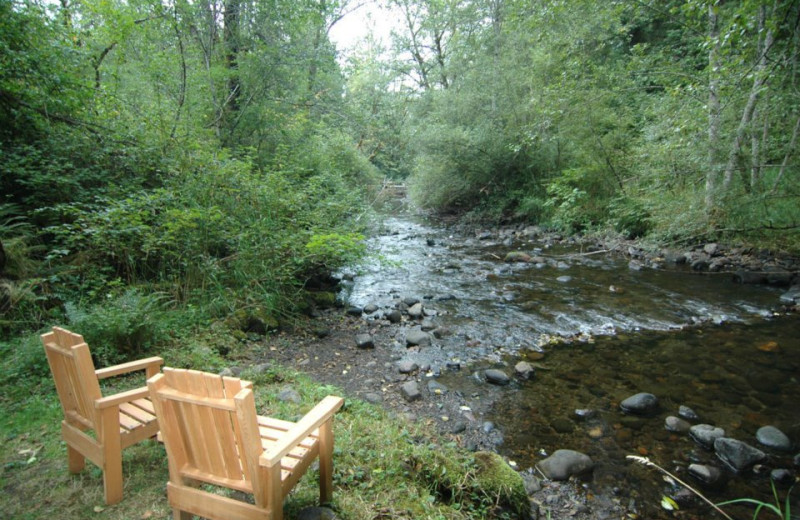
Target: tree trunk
{"type": "Point", "coordinates": [230, 37]}
{"type": "Point", "coordinates": [747, 115]}
{"type": "Point", "coordinates": [714, 156]}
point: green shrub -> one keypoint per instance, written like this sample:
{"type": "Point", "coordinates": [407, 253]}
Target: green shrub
{"type": "Point", "coordinates": [629, 217]}
{"type": "Point", "coordinates": [121, 328]}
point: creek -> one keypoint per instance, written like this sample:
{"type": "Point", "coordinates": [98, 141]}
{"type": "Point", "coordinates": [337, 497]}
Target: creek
{"type": "Point", "coordinates": [597, 330]}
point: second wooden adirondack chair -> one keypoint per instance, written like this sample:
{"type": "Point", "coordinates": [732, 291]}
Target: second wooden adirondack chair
{"type": "Point", "coordinates": [213, 436]}
{"type": "Point", "coordinates": [118, 421]}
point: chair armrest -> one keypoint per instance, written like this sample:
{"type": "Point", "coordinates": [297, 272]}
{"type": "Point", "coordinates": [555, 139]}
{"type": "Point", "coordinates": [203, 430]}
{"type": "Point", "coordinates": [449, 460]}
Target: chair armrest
{"type": "Point", "coordinates": [122, 397]}
{"type": "Point", "coordinates": [132, 366]}
{"type": "Point", "coordinates": [318, 415]}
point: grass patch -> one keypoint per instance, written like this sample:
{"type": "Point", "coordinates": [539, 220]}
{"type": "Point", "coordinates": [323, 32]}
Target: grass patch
{"type": "Point", "coordinates": [383, 467]}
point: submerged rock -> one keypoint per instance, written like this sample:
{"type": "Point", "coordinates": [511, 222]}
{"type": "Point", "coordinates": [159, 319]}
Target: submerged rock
{"type": "Point", "coordinates": [738, 455]}
{"type": "Point", "coordinates": [772, 437]}
{"type": "Point", "coordinates": [676, 424]}
{"type": "Point", "coordinates": [640, 404]}
{"type": "Point", "coordinates": [564, 464]}
{"type": "Point", "coordinates": [706, 434]}
{"type": "Point", "coordinates": [524, 370]}
{"type": "Point", "coordinates": [687, 413]}
{"type": "Point", "coordinates": [708, 475]}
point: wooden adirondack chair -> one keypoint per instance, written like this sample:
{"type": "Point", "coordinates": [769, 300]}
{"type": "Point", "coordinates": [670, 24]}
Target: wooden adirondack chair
{"type": "Point", "coordinates": [118, 421]}
{"type": "Point", "coordinates": [213, 436]}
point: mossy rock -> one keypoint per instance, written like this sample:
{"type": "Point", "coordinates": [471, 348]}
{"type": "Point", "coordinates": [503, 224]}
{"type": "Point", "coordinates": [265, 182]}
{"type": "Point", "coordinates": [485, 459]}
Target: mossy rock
{"type": "Point", "coordinates": [501, 484]}
{"type": "Point", "coordinates": [322, 299]}
{"type": "Point", "coordinates": [518, 256]}
{"type": "Point", "coordinates": [255, 320]}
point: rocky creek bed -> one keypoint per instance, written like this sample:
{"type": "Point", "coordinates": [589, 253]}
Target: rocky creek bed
{"type": "Point", "coordinates": [515, 340]}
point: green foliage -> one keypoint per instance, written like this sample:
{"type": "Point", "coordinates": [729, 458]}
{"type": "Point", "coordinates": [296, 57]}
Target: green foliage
{"type": "Point", "coordinates": [122, 327]}
{"type": "Point", "coordinates": [629, 217]}
{"type": "Point", "coordinates": [334, 250]}
{"type": "Point", "coordinates": [24, 362]}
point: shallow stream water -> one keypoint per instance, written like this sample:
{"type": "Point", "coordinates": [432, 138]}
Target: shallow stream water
{"type": "Point", "coordinates": [695, 340]}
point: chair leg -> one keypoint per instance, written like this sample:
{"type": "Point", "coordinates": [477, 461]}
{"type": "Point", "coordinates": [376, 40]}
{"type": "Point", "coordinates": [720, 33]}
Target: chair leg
{"type": "Point", "coordinates": [75, 461]}
{"type": "Point", "coordinates": [177, 514]}
{"type": "Point", "coordinates": [326, 462]}
{"type": "Point", "coordinates": [112, 455]}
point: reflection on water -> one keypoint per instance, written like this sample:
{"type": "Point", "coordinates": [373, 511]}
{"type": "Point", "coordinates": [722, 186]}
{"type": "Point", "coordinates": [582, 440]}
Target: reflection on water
{"type": "Point", "coordinates": [499, 311]}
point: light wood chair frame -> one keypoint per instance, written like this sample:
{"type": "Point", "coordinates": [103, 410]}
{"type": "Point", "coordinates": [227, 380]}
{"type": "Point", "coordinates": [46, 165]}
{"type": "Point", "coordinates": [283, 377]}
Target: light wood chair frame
{"type": "Point", "coordinates": [213, 435]}
{"type": "Point", "coordinates": [118, 420]}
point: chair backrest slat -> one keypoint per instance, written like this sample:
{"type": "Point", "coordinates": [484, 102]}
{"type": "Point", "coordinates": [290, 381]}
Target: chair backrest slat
{"type": "Point", "coordinates": [207, 437]}
{"type": "Point", "coordinates": [73, 373]}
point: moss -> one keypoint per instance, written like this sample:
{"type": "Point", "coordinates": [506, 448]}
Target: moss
{"type": "Point", "coordinates": [485, 483]}
{"type": "Point", "coordinates": [501, 484]}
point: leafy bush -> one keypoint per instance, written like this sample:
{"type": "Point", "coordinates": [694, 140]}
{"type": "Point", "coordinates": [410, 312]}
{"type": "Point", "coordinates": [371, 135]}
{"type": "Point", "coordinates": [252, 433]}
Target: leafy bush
{"type": "Point", "coordinates": [121, 328]}
{"type": "Point", "coordinates": [629, 217]}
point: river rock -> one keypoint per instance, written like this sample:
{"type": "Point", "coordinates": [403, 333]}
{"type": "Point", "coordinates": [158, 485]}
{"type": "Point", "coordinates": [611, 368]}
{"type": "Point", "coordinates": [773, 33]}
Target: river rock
{"type": "Point", "coordinates": [517, 256]}
{"type": "Point", "coordinates": [354, 311]}
{"type": "Point", "coordinates": [406, 366]}
{"type": "Point", "coordinates": [706, 434]}
{"type": "Point", "coordinates": [410, 301]}
{"type": "Point", "coordinates": [394, 316]}
{"type": "Point", "coordinates": [524, 370]}
{"type": "Point", "coordinates": [564, 279]}
{"type": "Point", "coordinates": [708, 475]}
{"type": "Point", "coordinates": [642, 403]}
{"type": "Point", "coordinates": [676, 424]}
{"type": "Point", "coordinates": [738, 455]}
{"type": "Point", "coordinates": [563, 464]}
{"type": "Point", "coordinates": [436, 387]}
{"type": "Point", "coordinates": [370, 308]}
{"type": "Point", "coordinates": [772, 437]}
{"type": "Point", "coordinates": [497, 377]}
{"type": "Point", "coordinates": [410, 391]}
{"type": "Point", "coordinates": [415, 311]}
{"type": "Point", "coordinates": [427, 325]}
{"type": "Point", "coordinates": [365, 341]}
{"type": "Point", "coordinates": [417, 337]}
{"type": "Point", "coordinates": [687, 413]}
